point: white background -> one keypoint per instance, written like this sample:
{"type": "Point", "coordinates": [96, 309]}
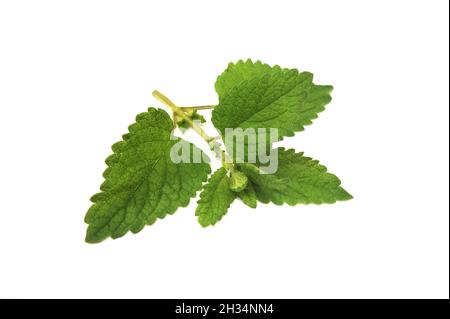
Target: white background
{"type": "Point", "coordinates": [73, 75]}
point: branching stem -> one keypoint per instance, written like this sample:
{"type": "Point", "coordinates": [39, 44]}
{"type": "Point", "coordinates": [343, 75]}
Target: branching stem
{"type": "Point", "coordinates": [181, 112]}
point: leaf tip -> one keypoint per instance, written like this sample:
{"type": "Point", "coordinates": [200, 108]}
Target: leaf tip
{"type": "Point", "coordinates": [93, 236]}
{"type": "Point", "coordinates": [344, 195]}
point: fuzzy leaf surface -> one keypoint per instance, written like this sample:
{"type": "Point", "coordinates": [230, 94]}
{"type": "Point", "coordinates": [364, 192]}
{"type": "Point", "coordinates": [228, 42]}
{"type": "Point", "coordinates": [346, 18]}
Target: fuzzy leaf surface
{"type": "Point", "coordinates": [215, 199]}
{"type": "Point", "coordinates": [257, 96]}
{"type": "Point", "coordinates": [298, 180]}
{"type": "Point", "coordinates": [142, 183]}
{"type": "Point", "coordinates": [248, 196]}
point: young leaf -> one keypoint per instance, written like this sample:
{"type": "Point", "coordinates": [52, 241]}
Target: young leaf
{"type": "Point", "coordinates": [142, 183]}
{"type": "Point", "coordinates": [215, 199]}
{"type": "Point", "coordinates": [248, 196]}
{"type": "Point", "coordinates": [253, 95]}
{"type": "Point", "coordinates": [238, 181]}
{"type": "Point", "coordinates": [298, 180]}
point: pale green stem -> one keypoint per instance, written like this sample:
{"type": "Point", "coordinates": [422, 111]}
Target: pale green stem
{"type": "Point", "coordinates": [196, 108]}
{"type": "Point", "coordinates": [180, 111]}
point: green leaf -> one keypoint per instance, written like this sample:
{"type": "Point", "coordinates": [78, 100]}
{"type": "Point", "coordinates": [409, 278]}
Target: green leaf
{"type": "Point", "coordinates": [298, 180]}
{"type": "Point", "coordinates": [241, 71]}
{"type": "Point", "coordinates": [254, 95]}
{"type": "Point", "coordinates": [142, 183]}
{"type": "Point", "coordinates": [248, 196]}
{"type": "Point", "coordinates": [215, 199]}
